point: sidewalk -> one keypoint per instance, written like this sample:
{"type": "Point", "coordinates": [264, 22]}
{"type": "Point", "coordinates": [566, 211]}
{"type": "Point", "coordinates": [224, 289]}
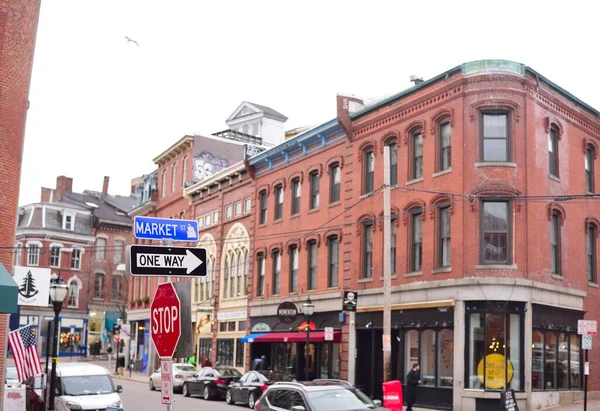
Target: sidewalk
{"type": "Point", "coordinates": [592, 405]}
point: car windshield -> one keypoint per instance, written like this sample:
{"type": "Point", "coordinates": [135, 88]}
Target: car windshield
{"type": "Point", "coordinates": [11, 374]}
{"type": "Point", "coordinates": [265, 376]}
{"type": "Point", "coordinates": [87, 385]}
{"type": "Point", "coordinates": [339, 400]}
{"type": "Point", "coordinates": [185, 368]}
{"type": "Point", "coordinates": [228, 372]}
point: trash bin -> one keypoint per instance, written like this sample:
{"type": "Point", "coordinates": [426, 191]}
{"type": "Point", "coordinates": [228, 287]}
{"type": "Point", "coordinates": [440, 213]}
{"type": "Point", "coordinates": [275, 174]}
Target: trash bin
{"type": "Point", "coordinates": [392, 395]}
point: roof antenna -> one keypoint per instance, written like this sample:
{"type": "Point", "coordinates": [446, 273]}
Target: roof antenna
{"type": "Point", "coordinates": [416, 79]}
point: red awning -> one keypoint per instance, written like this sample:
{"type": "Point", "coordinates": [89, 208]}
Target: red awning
{"type": "Point", "coordinates": [315, 336]}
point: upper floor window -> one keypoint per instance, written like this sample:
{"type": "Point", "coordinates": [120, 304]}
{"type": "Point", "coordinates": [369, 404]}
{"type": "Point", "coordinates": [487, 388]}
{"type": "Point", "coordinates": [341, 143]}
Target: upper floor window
{"type": "Point", "coordinates": [444, 236]}
{"type": "Point", "coordinates": [76, 259]}
{"type": "Point", "coordinates": [335, 176]}
{"type": "Point", "coordinates": [99, 286]}
{"type": "Point", "coordinates": [553, 152]}
{"type": "Point", "coordinates": [367, 249]}
{"type": "Point", "coordinates": [260, 284]}
{"type": "Point", "coordinates": [293, 251]}
{"type": "Point", "coordinates": [247, 205]}
{"type": "Point", "coordinates": [18, 254]}
{"type": "Point", "coordinates": [276, 272]}
{"type": "Point", "coordinates": [496, 232]}
{"type": "Point", "coordinates": [118, 253]}
{"type": "Point", "coordinates": [116, 288]}
{"type": "Point", "coordinates": [314, 190]}
{"type": "Point", "coordinates": [215, 217]}
{"type": "Point", "coordinates": [555, 242]}
{"type": "Point", "coordinates": [312, 265]}
{"type": "Point", "coordinates": [226, 275]}
{"type": "Point", "coordinates": [228, 211]}
{"type": "Point", "coordinates": [589, 169]}
{"type": "Point", "coordinates": [237, 208]}
{"type": "Point", "coordinates": [296, 189]}
{"type": "Point", "coordinates": [174, 178]}
{"type": "Point", "coordinates": [33, 254]}
{"type": "Point", "coordinates": [206, 220]}
{"type": "Point", "coordinates": [263, 208]}
{"type": "Point", "coordinates": [416, 241]}
{"type": "Point", "coordinates": [495, 137]}
{"type": "Point", "coordinates": [369, 172]}
{"type": "Point", "coordinates": [163, 185]}
{"type": "Point", "coordinates": [393, 147]}
{"type": "Point", "coordinates": [445, 142]}
{"type": "Point", "coordinates": [591, 252]}
{"type": "Point", "coordinates": [184, 171]}
{"type": "Point", "coordinates": [417, 155]}
{"type": "Point", "coordinates": [100, 249]}
{"type": "Point", "coordinates": [74, 288]}
{"type": "Point", "coordinates": [68, 222]}
{"type": "Point", "coordinates": [54, 256]}
{"type": "Point", "coordinates": [279, 202]}
{"type": "Point", "coordinates": [333, 261]}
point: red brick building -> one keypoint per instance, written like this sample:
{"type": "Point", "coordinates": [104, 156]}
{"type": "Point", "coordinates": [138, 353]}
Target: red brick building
{"type": "Point", "coordinates": [18, 23]}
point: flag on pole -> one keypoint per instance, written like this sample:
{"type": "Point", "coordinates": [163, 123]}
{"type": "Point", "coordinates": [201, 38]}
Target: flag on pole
{"type": "Point", "coordinates": [25, 353]}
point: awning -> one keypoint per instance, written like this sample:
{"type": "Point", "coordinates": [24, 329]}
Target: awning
{"type": "Point", "coordinates": [8, 292]}
{"type": "Point", "coordinates": [315, 336]}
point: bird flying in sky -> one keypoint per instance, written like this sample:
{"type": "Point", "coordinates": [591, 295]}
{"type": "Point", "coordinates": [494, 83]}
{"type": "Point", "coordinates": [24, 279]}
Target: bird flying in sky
{"type": "Point", "coordinates": [132, 40]}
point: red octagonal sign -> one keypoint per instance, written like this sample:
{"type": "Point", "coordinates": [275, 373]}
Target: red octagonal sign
{"type": "Point", "coordinates": [165, 315]}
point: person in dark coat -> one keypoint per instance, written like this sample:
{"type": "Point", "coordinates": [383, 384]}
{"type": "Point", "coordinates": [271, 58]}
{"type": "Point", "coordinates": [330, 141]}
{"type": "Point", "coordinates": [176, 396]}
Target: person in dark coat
{"type": "Point", "coordinates": [413, 379]}
{"type": "Point", "coordinates": [263, 363]}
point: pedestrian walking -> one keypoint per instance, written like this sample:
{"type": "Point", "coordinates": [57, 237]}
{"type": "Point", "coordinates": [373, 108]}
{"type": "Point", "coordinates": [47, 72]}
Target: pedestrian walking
{"type": "Point", "coordinates": [413, 379]}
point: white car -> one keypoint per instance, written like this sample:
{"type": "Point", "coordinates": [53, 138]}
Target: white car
{"type": "Point", "coordinates": [82, 386]}
{"type": "Point", "coordinates": [180, 373]}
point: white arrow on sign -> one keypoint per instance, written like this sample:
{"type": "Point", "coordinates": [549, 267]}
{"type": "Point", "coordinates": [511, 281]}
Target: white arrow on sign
{"type": "Point", "coordinates": [188, 261]}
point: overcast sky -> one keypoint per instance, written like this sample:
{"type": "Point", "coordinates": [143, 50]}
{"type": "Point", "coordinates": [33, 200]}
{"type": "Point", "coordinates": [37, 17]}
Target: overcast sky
{"type": "Point", "coordinates": [102, 106]}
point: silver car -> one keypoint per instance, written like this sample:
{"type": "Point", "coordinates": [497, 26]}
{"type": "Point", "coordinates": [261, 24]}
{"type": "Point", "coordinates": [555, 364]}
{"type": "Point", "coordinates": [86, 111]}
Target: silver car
{"type": "Point", "coordinates": [180, 373]}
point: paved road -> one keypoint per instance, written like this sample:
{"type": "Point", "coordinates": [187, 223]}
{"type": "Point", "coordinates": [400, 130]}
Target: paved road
{"type": "Point", "coordinates": [138, 397]}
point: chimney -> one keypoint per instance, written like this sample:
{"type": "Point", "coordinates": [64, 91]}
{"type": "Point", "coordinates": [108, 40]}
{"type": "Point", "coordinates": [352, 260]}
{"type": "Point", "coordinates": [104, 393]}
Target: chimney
{"type": "Point", "coordinates": [105, 186]}
{"type": "Point", "coordinates": [416, 79]}
{"type": "Point", "coordinates": [47, 195]}
{"type": "Point", "coordinates": [347, 104]}
{"type": "Point", "coordinates": [64, 185]}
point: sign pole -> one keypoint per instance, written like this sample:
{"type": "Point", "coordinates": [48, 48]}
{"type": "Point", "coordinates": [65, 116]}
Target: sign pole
{"type": "Point", "coordinates": [585, 375]}
{"type": "Point", "coordinates": [168, 243]}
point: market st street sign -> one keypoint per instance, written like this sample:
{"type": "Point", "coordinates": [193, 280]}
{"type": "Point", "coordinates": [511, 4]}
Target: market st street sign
{"type": "Point", "coordinates": [146, 260]}
{"type": "Point", "coordinates": [152, 228]}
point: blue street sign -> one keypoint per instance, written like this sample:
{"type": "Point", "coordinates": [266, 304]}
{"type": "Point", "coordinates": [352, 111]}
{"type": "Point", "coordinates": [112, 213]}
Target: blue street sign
{"type": "Point", "coordinates": [152, 228]}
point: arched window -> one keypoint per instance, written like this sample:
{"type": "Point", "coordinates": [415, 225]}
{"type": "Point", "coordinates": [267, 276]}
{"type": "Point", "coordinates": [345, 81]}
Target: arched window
{"type": "Point", "coordinates": [18, 254]}
{"type": "Point", "coordinates": [591, 237]}
{"type": "Point", "coordinates": [74, 288]}
{"type": "Point", "coordinates": [232, 271]}
{"type": "Point", "coordinates": [368, 170]}
{"type": "Point", "coordinates": [590, 154]}
{"type": "Point", "coordinates": [240, 272]}
{"type": "Point", "coordinates": [99, 285]}
{"type": "Point", "coordinates": [226, 277]}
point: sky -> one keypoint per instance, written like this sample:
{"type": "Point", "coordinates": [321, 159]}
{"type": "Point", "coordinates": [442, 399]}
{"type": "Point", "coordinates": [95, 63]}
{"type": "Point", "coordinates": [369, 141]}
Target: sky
{"type": "Point", "coordinates": [101, 106]}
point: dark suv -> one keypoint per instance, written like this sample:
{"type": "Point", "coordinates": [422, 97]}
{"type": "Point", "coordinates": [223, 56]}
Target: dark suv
{"type": "Point", "coordinates": [317, 395]}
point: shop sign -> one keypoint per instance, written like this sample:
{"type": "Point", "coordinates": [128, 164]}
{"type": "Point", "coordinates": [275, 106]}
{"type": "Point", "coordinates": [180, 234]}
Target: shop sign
{"type": "Point", "coordinates": [509, 401]}
{"type": "Point", "coordinates": [34, 285]}
{"type": "Point", "coordinates": [496, 368]}
{"type": "Point", "coordinates": [328, 333]}
{"type": "Point", "coordinates": [586, 342]}
{"type": "Point", "coordinates": [287, 312]}
{"type": "Point", "coordinates": [350, 301]}
{"type": "Point", "coordinates": [231, 315]}
{"type": "Point", "coordinates": [261, 328]}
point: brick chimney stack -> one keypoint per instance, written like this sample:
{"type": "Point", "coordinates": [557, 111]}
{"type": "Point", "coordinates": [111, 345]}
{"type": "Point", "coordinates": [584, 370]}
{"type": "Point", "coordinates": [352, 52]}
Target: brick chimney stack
{"type": "Point", "coordinates": [64, 185]}
{"type": "Point", "coordinates": [105, 186]}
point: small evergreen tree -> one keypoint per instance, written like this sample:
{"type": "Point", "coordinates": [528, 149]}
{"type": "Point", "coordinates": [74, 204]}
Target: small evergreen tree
{"type": "Point", "coordinates": [28, 288]}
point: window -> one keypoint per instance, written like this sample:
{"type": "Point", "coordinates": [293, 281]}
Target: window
{"type": "Point", "coordinates": [416, 241]}
{"type": "Point", "coordinates": [18, 254]}
{"type": "Point", "coordinates": [369, 172]}
{"type": "Point", "coordinates": [276, 271]}
{"type": "Point", "coordinates": [116, 287]}
{"type": "Point", "coordinates": [241, 267]}
{"type": "Point", "coordinates": [555, 242]}
{"type": "Point", "coordinates": [367, 249]}
{"type": "Point", "coordinates": [226, 276]}
{"type": "Point", "coordinates": [278, 202]}
{"type": "Point", "coordinates": [54, 256]}
{"type": "Point", "coordinates": [417, 155]}
{"type": "Point", "coordinates": [445, 134]}
{"type": "Point", "coordinates": [184, 171]}
{"type": "Point", "coordinates": [76, 259]}
{"type": "Point", "coordinates": [232, 271]}
{"type": "Point", "coordinates": [293, 251]}
{"type": "Point", "coordinates": [314, 190]}
{"type": "Point", "coordinates": [100, 249]}
{"type": "Point", "coordinates": [200, 222]}
{"type": "Point", "coordinates": [494, 345]}
{"type": "Point", "coordinates": [553, 152]}
{"type": "Point", "coordinates": [296, 189]}
{"type": "Point", "coordinates": [118, 254]}
{"type": "Point", "coordinates": [255, 129]}
{"type": "Point", "coordinates": [206, 220]}
{"type": "Point", "coordinates": [215, 217]}
{"type": "Point", "coordinates": [228, 211]}
{"type": "Point", "coordinates": [591, 252]}
{"type": "Point", "coordinates": [247, 205]}
{"type": "Point", "coordinates": [204, 346]}
{"type": "Point", "coordinates": [73, 293]}
{"type": "Point", "coordinates": [434, 351]}
{"type": "Point", "coordinates": [393, 163]}
{"type": "Point", "coordinates": [68, 222]}
{"type": "Point", "coordinates": [163, 185]}
{"type": "Point", "coordinates": [238, 208]}
{"type": "Point", "coordinates": [263, 207]}
{"type": "Point", "coordinates": [333, 261]}
{"type": "Point", "coordinates": [496, 232]}
{"type": "Point", "coordinates": [260, 286]}
{"type": "Point", "coordinates": [444, 237]}
{"type": "Point", "coordinates": [312, 265]}
{"type": "Point", "coordinates": [589, 169]}
{"type": "Point", "coordinates": [33, 254]}
{"type": "Point", "coordinates": [174, 178]}
{"type": "Point", "coordinates": [246, 270]}
{"type": "Point", "coordinates": [99, 286]}
{"type": "Point", "coordinates": [495, 137]}
{"type": "Point", "coordinates": [393, 240]}
{"type": "Point", "coordinates": [239, 352]}
{"type": "Point", "coordinates": [556, 361]}
{"type": "Point", "coordinates": [225, 351]}
{"type": "Point", "coordinates": [335, 179]}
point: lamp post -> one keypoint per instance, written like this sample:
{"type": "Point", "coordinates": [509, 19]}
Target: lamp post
{"type": "Point", "coordinates": [308, 310]}
{"type": "Point", "coordinates": [58, 293]}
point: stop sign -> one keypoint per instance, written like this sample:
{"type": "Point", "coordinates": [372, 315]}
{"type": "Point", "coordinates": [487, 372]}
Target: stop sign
{"type": "Point", "coordinates": [165, 315]}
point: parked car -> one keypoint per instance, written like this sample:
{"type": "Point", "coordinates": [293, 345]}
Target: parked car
{"type": "Point", "coordinates": [251, 385]}
{"type": "Point", "coordinates": [179, 374]}
{"type": "Point", "coordinates": [84, 386]}
{"type": "Point", "coordinates": [34, 395]}
{"type": "Point", "coordinates": [318, 395]}
{"type": "Point", "coordinates": [211, 382]}
{"type": "Point", "coordinates": [12, 377]}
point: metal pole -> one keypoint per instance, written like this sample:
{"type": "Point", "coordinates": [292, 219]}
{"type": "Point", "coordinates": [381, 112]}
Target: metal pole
{"type": "Point", "coordinates": [47, 361]}
{"type": "Point", "coordinates": [585, 375]}
{"type": "Point", "coordinates": [57, 308]}
{"type": "Point", "coordinates": [387, 268]}
{"type": "Point", "coordinates": [307, 351]}
{"type": "Point", "coordinates": [168, 243]}
{"type": "Point", "coordinates": [117, 343]}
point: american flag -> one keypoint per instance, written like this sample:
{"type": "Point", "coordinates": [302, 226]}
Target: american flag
{"type": "Point", "coordinates": [25, 353]}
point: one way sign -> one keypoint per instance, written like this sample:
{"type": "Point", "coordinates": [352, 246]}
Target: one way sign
{"type": "Point", "coordinates": [158, 261]}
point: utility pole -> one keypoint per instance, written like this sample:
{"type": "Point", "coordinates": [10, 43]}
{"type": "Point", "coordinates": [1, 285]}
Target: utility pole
{"type": "Point", "coordinates": [387, 262]}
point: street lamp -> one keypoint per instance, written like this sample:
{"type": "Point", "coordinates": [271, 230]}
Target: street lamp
{"type": "Point", "coordinates": [308, 310]}
{"type": "Point", "coordinates": [58, 293]}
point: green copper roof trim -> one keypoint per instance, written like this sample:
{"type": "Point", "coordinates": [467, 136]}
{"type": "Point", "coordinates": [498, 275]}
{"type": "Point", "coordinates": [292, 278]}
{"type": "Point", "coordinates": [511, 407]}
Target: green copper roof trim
{"type": "Point", "coordinates": [8, 292]}
{"type": "Point", "coordinates": [474, 67]}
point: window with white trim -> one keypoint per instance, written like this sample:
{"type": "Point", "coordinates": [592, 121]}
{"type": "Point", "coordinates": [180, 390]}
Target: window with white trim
{"type": "Point", "coordinates": [99, 285]}
{"type": "Point", "coordinates": [118, 253]}
{"type": "Point", "coordinates": [18, 254]}
{"type": "Point", "coordinates": [33, 254]}
{"type": "Point", "coordinates": [54, 256]}
{"type": "Point", "coordinates": [74, 287]}
{"type": "Point", "coordinates": [238, 208]}
{"type": "Point", "coordinates": [76, 259]}
{"type": "Point", "coordinates": [247, 205]}
{"type": "Point", "coordinates": [68, 222]}
{"type": "Point", "coordinates": [215, 217]}
{"type": "Point", "coordinates": [228, 211]}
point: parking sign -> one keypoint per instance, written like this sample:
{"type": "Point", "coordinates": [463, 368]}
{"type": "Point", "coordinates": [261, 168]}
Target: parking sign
{"type": "Point", "coordinates": [166, 381]}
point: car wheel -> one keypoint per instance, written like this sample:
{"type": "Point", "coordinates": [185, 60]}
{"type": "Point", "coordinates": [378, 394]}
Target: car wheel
{"type": "Point", "coordinates": [206, 392]}
{"type": "Point", "coordinates": [185, 391]}
{"type": "Point", "coordinates": [228, 398]}
{"type": "Point", "coordinates": [151, 385]}
{"type": "Point", "coordinates": [251, 400]}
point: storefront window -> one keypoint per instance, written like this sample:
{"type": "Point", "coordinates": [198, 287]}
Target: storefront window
{"type": "Point", "coordinates": [556, 361]}
{"type": "Point", "coordinates": [445, 358]}
{"type": "Point", "coordinates": [412, 350]}
{"type": "Point", "coordinates": [204, 347]}
{"type": "Point", "coordinates": [537, 373]}
{"type": "Point", "coordinates": [428, 358]}
{"type": "Point", "coordinates": [575, 363]}
{"type": "Point", "coordinates": [239, 353]}
{"type": "Point", "coordinates": [69, 342]}
{"type": "Point", "coordinates": [290, 367]}
{"type": "Point", "coordinates": [225, 351]}
{"type": "Point", "coordinates": [335, 361]}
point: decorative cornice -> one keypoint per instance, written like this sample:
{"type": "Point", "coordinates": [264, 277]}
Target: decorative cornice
{"type": "Point", "coordinates": [363, 219]}
{"type": "Point", "coordinates": [441, 114]}
{"type": "Point", "coordinates": [279, 181]}
{"type": "Point", "coordinates": [589, 221]}
{"type": "Point", "coordinates": [412, 128]}
{"type": "Point", "coordinates": [294, 242]}
{"type": "Point", "coordinates": [333, 232]}
{"type": "Point", "coordinates": [297, 174]}
{"type": "Point", "coordinates": [558, 209]}
{"type": "Point", "coordinates": [316, 167]}
{"type": "Point", "coordinates": [312, 237]}
{"type": "Point", "coordinates": [264, 187]}
{"type": "Point", "coordinates": [276, 246]}
{"type": "Point", "coordinates": [413, 207]}
{"type": "Point", "coordinates": [552, 121]}
{"type": "Point", "coordinates": [362, 148]}
{"type": "Point", "coordinates": [394, 213]}
{"type": "Point", "coordinates": [494, 103]}
{"type": "Point", "coordinates": [439, 201]}
{"type": "Point", "coordinates": [388, 137]}
{"type": "Point", "coordinates": [336, 159]}
{"type": "Point", "coordinates": [587, 141]}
